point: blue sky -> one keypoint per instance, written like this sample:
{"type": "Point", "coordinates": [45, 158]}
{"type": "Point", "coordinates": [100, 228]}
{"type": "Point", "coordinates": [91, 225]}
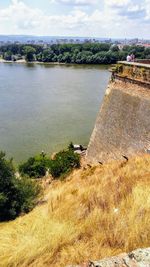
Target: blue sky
{"type": "Point", "coordinates": [93, 18]}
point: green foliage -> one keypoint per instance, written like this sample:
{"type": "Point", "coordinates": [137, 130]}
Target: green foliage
{"type": "Point", "coordinates": [138, 51]}
{"type": "Point", "coordinates": [147, 52]}
{"type": "Point", "coordinates": [70, 147]}
{"type": "Point", "coordinates": [35, 167]}
{"type": "Point", "coordinates": [29, 52]}
{"type": "Point", "coordinates": [29, 190]}
{"type": "Point", "coordinates": [64, 162]}
{"type": "Point", "coordinates": [7, 55]}
{"type": "Point", "coordinates": [85, 53]}
{"type": "Point", "coordinates": [114, 48]}
{"type": "Point", "coordinates": [16, 195]}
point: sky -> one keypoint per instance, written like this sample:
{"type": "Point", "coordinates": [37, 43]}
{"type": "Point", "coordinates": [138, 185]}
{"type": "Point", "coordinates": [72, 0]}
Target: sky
{"type": "Point", "coordinates": [87, 18]}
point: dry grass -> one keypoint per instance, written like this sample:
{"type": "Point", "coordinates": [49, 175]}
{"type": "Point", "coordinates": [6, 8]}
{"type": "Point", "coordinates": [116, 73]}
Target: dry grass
{"type": "Point", "coordinates": [95, 213]}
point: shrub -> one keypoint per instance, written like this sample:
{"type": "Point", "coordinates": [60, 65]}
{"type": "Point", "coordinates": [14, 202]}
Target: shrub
{"type": "Point", "coordinates": [29, 190]}
{"type": "Point", "coordinates": [16, 195]}
{"type": "Point", "coordinates": [70, 147]}
{"type": "Point", "coordinates": [64, 162]}
{"type": "Point", "coordinates": [35, 166]}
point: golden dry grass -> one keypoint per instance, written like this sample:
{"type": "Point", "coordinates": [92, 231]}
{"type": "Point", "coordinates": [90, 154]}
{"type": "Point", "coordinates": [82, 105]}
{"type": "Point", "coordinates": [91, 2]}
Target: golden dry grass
{"type": "Point", "coordinates": [95, 213]}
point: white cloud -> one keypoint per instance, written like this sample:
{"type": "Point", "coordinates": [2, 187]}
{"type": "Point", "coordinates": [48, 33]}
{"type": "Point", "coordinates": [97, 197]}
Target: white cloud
{"type": "Point", "coordinates": [20, 18]}
{"type": "Point", "coordinates": [76, 2]}
{"type": "Point", "coordinates": [117, 3]}
{"type": "Point", "coordinates": [14, 1]}
{"type": "Point", "coordinates": [112, 21]}
{"type": "Point", "coordinates": [147, 8]}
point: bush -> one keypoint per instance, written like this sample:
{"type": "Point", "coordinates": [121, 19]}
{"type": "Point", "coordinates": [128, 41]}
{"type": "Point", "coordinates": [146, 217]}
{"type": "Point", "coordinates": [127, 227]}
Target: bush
{"type": "Point", "coordinates": [70, 146]}
{"type": "Point", "coordinates": [16, 195]}
{"type": "Point", "coordinates": [35, 166]}
{"type": "Point", "coordinates": [29, 190]}
{"type": "Point", "coordinates": [64, 162]}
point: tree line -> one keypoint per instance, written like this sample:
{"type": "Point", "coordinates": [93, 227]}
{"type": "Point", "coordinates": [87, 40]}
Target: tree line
{"type": "Point", "coordinates": [86, 53]}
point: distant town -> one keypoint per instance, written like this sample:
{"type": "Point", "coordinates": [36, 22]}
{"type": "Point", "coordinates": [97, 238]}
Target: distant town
{"type": "Point", "coordinates": [49, 40]}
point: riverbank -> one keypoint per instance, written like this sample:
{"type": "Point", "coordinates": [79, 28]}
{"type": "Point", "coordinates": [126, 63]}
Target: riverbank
{"type": "Point", "coordinates": [31, 62]}
{"type": "Point", "coordinates": [23, 61]}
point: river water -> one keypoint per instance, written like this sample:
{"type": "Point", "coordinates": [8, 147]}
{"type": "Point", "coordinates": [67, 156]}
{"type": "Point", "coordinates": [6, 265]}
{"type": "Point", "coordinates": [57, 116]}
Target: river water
{"type": "Point", "coordinates": [44, 107]}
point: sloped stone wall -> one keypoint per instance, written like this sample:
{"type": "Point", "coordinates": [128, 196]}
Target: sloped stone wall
{"type": "Point", "coordinates": [122, 127]}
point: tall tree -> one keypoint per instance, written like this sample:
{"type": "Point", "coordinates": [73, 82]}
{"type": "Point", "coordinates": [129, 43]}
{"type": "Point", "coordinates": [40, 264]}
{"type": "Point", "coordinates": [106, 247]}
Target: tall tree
{"type": "Point", "coordinates": [29, 53]}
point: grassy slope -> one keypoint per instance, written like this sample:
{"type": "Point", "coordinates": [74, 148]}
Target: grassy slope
{"type": "Point", "coordinates": [95, 213]}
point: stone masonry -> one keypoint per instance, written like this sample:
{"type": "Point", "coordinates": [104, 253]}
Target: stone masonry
{"type": "Point", "coordinates": [122, 127]}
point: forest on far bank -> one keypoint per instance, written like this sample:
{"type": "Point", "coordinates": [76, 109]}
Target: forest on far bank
{"type": "Point", "coordinates": [86, 53]}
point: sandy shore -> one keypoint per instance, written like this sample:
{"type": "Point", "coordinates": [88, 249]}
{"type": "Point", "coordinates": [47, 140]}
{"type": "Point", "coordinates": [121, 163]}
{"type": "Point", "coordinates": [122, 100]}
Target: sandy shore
{"type": "Point", "coordinates": [10, 61]}
{"type": "Point", "coordinates": [32, 62]}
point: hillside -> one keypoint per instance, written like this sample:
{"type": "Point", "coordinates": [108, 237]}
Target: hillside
{"type": "Point", "coordinates": [97, 212]}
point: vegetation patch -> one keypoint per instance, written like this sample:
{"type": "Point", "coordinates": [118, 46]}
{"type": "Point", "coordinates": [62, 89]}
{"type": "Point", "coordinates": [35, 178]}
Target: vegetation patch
{"type": "Point", "coordinates": [64, 162]}
{"type": "Point", "coordinates": [17, 195]}
{"type": "Point", "coordinates": [97, 212]}
{"type": "Point", "coordinates": [86, 53]}
{"type": "Point", "coordinates": [35, 167]}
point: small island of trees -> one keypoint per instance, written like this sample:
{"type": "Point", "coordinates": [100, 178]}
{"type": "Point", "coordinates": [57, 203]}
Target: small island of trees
{"type": "Point", "coordinates": [85, 53]}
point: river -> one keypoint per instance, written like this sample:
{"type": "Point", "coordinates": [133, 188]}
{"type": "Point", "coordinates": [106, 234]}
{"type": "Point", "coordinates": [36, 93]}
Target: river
{"type": "Point", "coordinates": [44, 107]}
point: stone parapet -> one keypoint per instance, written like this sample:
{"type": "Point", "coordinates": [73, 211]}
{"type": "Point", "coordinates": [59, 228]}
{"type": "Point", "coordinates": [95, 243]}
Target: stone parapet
{"type": "Point", "coordinates": [134, 71]}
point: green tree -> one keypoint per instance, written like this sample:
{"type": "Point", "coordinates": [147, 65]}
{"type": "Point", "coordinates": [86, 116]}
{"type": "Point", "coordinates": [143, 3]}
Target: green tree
{"type": "Point", "coordinates": [122, 55]}
{"type": "Point", "coordinates": [84, 53]}
{"type": "Point", "coordinates": [114, 48]}
{"type": "Point", "coordinates": [147, 52]}
{"type": "Point", "coordinates": [16, 195]}
{"type": "Point", "coordinates": [64, 162]}
{"type": "Point", "coordinates": [7, 55]}
{"type": "Point", "coordinates": [29, 53]}
{"type": "Point", "coordinates": [35, 167]}
{"type": "Point", "coordinates": [66, 57]}
{"type": "Point", "coordinates": [47, 55]}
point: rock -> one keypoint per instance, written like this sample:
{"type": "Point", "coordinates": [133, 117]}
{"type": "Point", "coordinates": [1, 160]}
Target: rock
{"type": "Point", "coordinates": [141, 255]}
{"type": "Point", "coordinates": [137, 258]}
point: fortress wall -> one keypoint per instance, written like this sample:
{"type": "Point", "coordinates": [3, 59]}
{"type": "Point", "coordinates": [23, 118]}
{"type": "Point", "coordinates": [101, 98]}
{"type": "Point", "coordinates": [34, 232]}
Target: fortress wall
{"type": "Point", "coordinates": [123, 124]}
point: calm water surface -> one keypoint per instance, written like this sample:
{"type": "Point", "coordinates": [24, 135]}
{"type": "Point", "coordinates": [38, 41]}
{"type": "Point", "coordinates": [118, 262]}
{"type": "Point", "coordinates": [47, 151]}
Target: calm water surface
{"type": "Point", "coordinates": [44, 107]}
